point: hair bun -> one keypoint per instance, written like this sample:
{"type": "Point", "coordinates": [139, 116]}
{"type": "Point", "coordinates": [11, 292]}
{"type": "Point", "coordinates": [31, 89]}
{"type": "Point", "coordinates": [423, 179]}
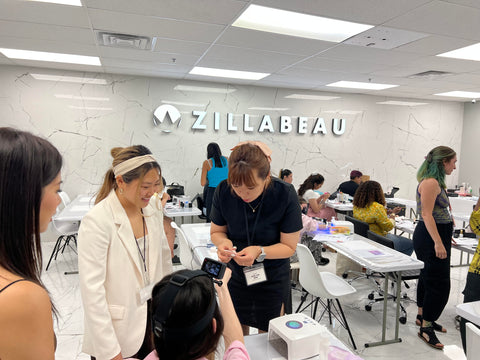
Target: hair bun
{"type": "Point", "coordinates": [429, 157]}
{"type": "Point", "coordinates": [115, 151]}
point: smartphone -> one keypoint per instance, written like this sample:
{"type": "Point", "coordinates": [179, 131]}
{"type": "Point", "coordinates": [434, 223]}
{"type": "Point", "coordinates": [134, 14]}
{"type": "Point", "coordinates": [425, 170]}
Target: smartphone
{"type": "Point", "coordinates": [214, 268]}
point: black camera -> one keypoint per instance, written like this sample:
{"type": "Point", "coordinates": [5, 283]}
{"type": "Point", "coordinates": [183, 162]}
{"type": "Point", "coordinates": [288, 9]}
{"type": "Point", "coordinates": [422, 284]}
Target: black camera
{"type": "Point", "coordinates": [214, 268]}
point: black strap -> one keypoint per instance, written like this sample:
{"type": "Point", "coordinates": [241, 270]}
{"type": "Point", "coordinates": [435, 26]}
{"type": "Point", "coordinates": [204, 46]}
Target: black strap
{"type": "Point", "coordinates": [250, 241]}
{"type": "Point", "coordinates": [13, 282]}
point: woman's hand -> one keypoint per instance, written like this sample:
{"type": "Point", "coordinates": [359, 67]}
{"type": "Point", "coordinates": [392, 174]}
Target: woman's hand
{"type": "Point", "coordinates": [247, 256]}
{"type": "Point", "coordinates": [226, 251]}
{"type": "Point", "coordinates": [440, 251]}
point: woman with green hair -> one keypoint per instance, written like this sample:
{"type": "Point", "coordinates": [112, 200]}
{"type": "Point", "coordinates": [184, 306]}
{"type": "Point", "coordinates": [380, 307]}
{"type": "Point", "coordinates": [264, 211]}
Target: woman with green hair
{"type": "Point", "coordinates": [432, 241]}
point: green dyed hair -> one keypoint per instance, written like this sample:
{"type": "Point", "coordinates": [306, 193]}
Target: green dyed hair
{"type": "Point", "coordinates": [433, 165]}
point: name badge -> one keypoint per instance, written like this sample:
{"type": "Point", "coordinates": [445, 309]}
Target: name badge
{"type": "Point", "coordinates": [255, 274]}
{"type": "Point", "coordinates": [146, 293]}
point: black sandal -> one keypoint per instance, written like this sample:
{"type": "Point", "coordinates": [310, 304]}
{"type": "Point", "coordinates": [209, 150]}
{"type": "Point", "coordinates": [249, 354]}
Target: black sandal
{"type": "Point", "coordinates": [323, 261]}
{"type": "Point", "coordinates": [432, 338]}
{"type": "Point", "coordinates": [436, 326]}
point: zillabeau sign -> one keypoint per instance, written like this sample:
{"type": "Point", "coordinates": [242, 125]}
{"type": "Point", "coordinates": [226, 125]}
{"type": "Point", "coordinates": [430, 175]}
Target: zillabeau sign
{"type": "Point", "coordinates": [284, 125]}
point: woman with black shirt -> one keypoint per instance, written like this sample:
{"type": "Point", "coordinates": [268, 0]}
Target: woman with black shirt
{"type": "Point", "coordinates": [256, 223]}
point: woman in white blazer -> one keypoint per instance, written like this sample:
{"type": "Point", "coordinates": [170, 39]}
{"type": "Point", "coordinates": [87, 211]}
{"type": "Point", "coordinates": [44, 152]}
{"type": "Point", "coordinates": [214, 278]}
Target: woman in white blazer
{"type": "Point", "coordinates": [122, 253]}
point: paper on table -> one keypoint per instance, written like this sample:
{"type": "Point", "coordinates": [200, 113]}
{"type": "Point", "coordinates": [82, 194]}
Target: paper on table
{"type": "Point", "coordinates": [466, 241]}
{"type": "Point", "coordinates": [202, 233]}
{"type": "Point", "coordinates": [332, 237]}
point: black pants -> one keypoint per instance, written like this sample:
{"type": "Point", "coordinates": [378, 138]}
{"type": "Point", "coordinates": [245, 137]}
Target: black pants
{"type": "Point", "coordinates": [471, 293]}
{"type": "Point", "coordinates": [433, 287]}
{"type": "Point", "coordinates": [209, 201]}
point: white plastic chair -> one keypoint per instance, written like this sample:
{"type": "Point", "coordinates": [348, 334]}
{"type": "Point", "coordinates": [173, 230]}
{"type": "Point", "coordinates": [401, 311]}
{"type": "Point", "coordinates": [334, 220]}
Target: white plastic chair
{"type": "Point", "coordinates": [67, 230]}
{"type": "Point", "coordinates": [323, 285]}
{"type": "Point", "coordinates": [473, 341]}
{"type": "Point", "coordinates": [186, 254]}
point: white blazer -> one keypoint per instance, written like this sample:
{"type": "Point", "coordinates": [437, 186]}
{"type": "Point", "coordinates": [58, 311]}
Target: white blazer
{"type": "Point", "coordinates": [112, 274]}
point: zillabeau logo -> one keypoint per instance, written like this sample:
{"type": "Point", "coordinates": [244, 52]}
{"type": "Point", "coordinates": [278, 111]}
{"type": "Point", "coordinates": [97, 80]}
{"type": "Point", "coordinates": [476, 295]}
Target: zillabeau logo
{"type": "Point", "coordinates": [284, 125]}
{"type": "Point", "coordinates": [161, 113]}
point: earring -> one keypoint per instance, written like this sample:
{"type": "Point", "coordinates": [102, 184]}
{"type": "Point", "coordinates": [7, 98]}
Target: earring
{"type": "Point", "coordinates": [120, 191]}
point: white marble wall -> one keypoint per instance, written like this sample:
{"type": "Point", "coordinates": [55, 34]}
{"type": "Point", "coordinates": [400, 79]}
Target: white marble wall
{"type": "Point", "coordinates": [470, 169]}
{"type": "Point", "coordinates": [386, 142]}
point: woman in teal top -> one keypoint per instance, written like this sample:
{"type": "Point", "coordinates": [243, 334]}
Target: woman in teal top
{"type": "Point", "coordinates": [214, 171]}
{"type": "Point", "coordinates": [432, 241]}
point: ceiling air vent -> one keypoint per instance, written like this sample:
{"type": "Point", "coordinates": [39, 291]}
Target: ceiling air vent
{"type": "Point", "coordinates": [431, 74]}
{"type": "Point", "coordinates": [124, 41]}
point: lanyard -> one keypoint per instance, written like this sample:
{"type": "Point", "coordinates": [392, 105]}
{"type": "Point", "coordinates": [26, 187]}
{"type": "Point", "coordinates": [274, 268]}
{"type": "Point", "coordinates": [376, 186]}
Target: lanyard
{"type": "Point", "coordinates": [250, 242]}
{"type": "Point", "coordinates": [143, 256]}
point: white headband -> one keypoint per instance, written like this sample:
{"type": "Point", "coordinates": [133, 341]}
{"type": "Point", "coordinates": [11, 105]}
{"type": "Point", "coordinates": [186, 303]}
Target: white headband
{"type": "Point", "coordinates": [132, 163]}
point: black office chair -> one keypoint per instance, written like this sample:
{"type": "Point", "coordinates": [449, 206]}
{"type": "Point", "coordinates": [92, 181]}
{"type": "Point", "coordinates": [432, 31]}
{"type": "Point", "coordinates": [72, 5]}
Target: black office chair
{"type": "Point", "coordinates": [359, 227]}
{"type": "Point", "coordinates": [406, 275]}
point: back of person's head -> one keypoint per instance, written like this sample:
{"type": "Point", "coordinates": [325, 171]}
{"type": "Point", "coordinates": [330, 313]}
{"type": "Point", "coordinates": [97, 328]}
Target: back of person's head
{"type": "Point", "coordinates": [433, 165]}
{"type": "Point", "coordinates": [310, 183]}
{"type": "Point", "coordinates": [284, 173]}
{"type": "Point", "coordinates": [355, 174]}
{"type": "Point", "coordinates": [367, 193]}
{"type": "Point", "coordinates": [183, 329]}
{"type": "Point", "coordinates": [28, 163]}
{"type": "Point", "coordinates": [213, 151]}
{"type": "Point", "coordinates": [121, 155]}
{"type": "Point", "coordinates": [244, 160]}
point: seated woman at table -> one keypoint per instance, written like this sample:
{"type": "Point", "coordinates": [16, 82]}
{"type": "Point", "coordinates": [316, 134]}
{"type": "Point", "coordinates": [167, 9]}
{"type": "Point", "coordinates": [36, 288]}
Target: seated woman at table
{"type": "Point", "coordinates": [316, 203]}
{"type": "Point", "coordinates": [29, 184]}
{"type": "Point", "coordinates": [122, 253]}
{"type": "Point", "coordinates": [472, 286]}
{"type": "Point", "coordinates": [369, 207]}
{"type": "Point", "coordinates": [187, 322]}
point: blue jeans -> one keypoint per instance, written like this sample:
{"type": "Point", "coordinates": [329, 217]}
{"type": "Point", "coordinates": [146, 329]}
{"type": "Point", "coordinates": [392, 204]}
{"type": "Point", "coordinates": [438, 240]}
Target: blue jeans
{"type": "Point", "coordinates": [401, 244]}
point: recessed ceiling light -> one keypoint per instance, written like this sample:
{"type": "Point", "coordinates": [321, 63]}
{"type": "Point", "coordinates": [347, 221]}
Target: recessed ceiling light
{"type": "Point", "coordinates": [74, 97]}
{"type": "Point", "coordinates": [204, 89]}
{"type": "Point", "coordinates": [182, 103]}
{"type": "Point", "coordinates": [471, 52]}
{"type": "Point", "coordinates": [361, 85]}
{"type": "Point", "coordinates": [53, 57]}
{"type": "Point", "coordinates": [62, 2]}
{"type": "Point", "coordinates": [234, 74]}
{"type": "Point", "coordinates": [401, 103]}
{"type": "Point", "coordinates": [285, 22]}
{"type": "Point", "coordinates": [70, 79]}
{"type": "Point", "coordinates": [268, 108]}
{"type": "Point", "coordinates": [461, 94]}
{"type": "Point", "coordinates": [311, 97]}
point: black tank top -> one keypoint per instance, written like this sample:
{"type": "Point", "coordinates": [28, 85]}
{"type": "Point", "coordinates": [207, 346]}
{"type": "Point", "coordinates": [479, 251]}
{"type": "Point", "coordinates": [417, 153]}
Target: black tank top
{"type": "Point", "coordinates": [13, 282]}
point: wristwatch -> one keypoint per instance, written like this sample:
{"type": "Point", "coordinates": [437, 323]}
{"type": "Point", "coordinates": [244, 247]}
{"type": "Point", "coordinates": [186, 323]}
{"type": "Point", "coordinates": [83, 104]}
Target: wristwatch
{"type": "Point", "coordinates": [262, 255]}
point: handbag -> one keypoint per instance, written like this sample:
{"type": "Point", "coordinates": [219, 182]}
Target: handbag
{"type": "Point", "coordinates": [175, 189]}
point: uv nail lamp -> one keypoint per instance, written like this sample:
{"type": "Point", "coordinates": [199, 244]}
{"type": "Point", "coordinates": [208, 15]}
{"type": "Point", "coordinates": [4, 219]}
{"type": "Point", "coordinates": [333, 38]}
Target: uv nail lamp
{"type": "Point", "coordinates": [302, 336]}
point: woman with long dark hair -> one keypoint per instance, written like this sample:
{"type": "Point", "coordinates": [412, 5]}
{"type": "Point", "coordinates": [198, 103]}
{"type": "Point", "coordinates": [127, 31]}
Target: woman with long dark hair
{"type": "Point", "coordinates": [432, 241]}
{"type": "Point", "coordinates": [29, 185]}
{"type": "Point", "coordinates": [317, 206]}
{"type": "Point", "coordinates": [122, 254]}
{"type": "Point", "coordinates": [214, 171]}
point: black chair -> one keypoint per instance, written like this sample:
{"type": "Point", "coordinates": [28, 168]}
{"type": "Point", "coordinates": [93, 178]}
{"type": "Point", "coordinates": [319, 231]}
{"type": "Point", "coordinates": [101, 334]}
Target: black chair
{"type": "Point", "coordinates": [359, 227]}
{"type": "Point", "coordinates": [406, 275]}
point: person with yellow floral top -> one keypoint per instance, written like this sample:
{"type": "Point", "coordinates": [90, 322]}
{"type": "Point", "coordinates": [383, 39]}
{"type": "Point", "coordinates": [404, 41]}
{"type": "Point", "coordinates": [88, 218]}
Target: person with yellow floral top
{"type": "Point", "coordinates": [369, 207]}
{"type": "Point", "coordinates": [472, 286]}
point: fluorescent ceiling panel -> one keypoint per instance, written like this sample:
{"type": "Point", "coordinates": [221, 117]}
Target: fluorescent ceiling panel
{"type": "Point", "coordinates": [401, 103]}
{"type": "Point", "coordinates": [311, 97]}
{"type": "Point", "coordinates": [461, 94]}
{"type": "Point", "coordinates": [70, 79]}
{"type": "Point", "coordinates": [361, 85]}
{"type": "Point", "coordinates": [471, 52]}
{"type": "Point", "coordinates": [53, 57]}
{"type": "Point", "coordinates": [204, 89]}
{"type": "Point", "coordinates": [61, 2]}
{"type": "Point", "coordinates": [224, 73]}
{"type": "Point", "coordinates": [291, 23]}
{"type": "Point", "coordinates": [74, 97]}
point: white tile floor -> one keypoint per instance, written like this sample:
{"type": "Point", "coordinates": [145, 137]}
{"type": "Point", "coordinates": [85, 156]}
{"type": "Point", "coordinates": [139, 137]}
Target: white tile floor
{"type": "Point", "coordinates": [366, 326]}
